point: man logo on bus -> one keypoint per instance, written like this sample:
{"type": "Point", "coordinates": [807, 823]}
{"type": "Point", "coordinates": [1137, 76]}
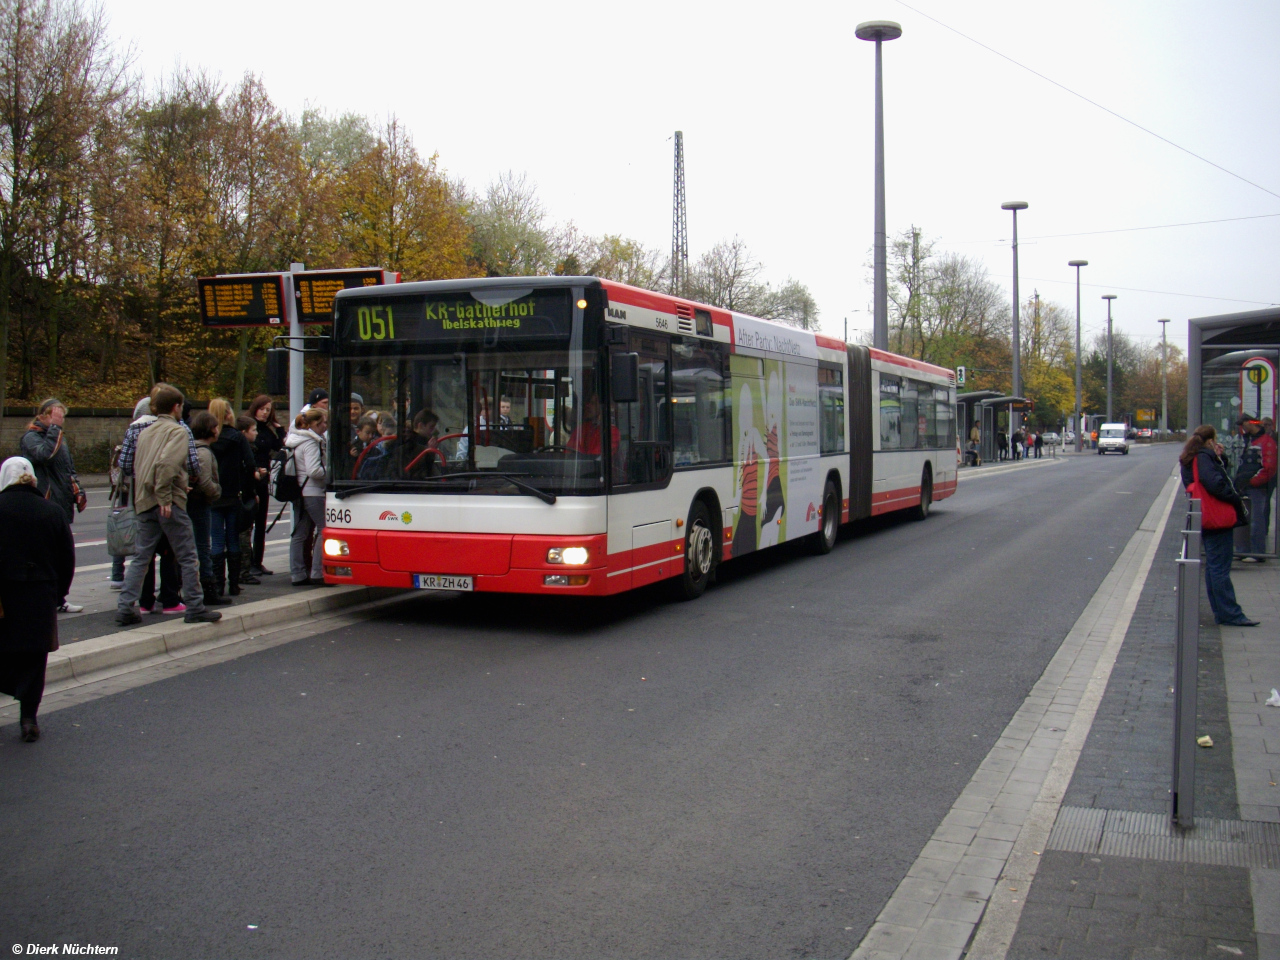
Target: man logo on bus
{"type": "Point", "coordinates": [406, 518]}
{"type": "Point", "coordinates": [387, 515]}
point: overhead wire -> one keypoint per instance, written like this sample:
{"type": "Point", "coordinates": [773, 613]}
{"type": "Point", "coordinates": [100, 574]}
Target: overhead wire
{"type": "Point", "coordinates": [1094, 233]}
{"type": "Point", "coordinates": [1163, 293]}
{"type": "Point", "coordinates": [1095, 103]}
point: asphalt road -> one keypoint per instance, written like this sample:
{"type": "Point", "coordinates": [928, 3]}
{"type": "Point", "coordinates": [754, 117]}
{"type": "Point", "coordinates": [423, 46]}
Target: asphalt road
{"type": "Point", "coordinates": [749, 775]}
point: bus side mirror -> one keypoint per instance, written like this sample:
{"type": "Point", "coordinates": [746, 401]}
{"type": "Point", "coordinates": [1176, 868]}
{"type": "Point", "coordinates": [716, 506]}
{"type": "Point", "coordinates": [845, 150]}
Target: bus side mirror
{"type": "Point", "coordinates": [624, 377]}
{"type": "Point", "coordinates": [278, 371]}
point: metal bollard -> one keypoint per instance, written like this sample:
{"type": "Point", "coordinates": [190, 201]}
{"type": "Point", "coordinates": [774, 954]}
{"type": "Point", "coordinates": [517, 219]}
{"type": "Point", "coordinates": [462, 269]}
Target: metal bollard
{"type": "Point", "coordinates": [1185, 673]}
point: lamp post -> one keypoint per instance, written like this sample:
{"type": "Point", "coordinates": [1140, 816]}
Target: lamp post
{"type": "Point", "coordinates": [1164, 379]}
{"type": "Point", "coordinates": [1110, 353]}
{"type": "Point", "coordinates": [879, 31]}
{"type": "Point", "coordinates": [1015, 206]}
{"type": "Point", "coordinates": [1078, 431]}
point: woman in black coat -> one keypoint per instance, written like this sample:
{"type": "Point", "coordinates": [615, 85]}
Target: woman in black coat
{"type": "Point", "coordinates": [37, 562]}
{"type": "Point", "coordinates": [270, 439]}
{"type": "Point", "coordinates": [237, 472]}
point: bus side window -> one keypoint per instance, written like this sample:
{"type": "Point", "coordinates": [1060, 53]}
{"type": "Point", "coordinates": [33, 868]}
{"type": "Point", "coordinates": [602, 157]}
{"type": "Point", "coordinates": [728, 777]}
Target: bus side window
{"type": "Point", "coordinates": [890, 412]}
{"type": "Point", "coordinates": [831, 402]}
{"type": "Point", "coordinates": [644, 450]}
{"type": "Point", "coordinates": [924, 414]}
{"type": "Point", "coordinates": [909, 423]}
{"type": "Point", "coordinates": [698, 407]}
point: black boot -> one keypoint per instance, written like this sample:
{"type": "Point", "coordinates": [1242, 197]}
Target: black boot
{"type": "Point", "coordinates": [246, 573]}
{"type": "Point", "coordinates": [233, 574]}
{"type": "Point", "coordinates": [211, 598]}
{"type": "Point", "coordinates": [220, 573]}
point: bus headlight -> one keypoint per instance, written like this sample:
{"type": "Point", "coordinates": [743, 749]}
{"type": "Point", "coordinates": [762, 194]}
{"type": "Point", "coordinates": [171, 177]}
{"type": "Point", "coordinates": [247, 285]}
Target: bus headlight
{"type": "Point", "coordinates": [336, 548]}
{"type": "Point", "coordinates": [572, 556]}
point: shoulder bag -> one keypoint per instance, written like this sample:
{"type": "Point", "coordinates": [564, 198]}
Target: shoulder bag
{"type": "Point", "coordinates": [1215, 514]}
{"type": "Point", "coordinates": [122, 526]}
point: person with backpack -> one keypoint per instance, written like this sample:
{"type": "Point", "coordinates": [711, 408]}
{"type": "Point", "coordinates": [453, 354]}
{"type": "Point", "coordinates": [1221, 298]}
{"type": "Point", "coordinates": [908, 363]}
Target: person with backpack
{"type": "Point", "coordinates": [1256, 479]}
{"type": "Point", "coordinates": [160, 501]}
{"type": "Point", "coordinates": [1204, 474]}
{"type": "Point", "coordinates": [305, 446]}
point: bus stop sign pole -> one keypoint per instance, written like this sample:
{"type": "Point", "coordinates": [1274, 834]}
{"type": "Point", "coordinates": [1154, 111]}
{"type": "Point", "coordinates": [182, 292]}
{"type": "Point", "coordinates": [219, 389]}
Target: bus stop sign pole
{"type": "Point", "coordinates": [1186, 672]}
{"type": "Point", "coordinates": [297, 364]}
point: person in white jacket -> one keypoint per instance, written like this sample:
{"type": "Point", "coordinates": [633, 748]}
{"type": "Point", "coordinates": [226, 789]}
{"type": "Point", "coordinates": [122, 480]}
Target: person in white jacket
{"type": "Point", "coordinates": [306, 442]}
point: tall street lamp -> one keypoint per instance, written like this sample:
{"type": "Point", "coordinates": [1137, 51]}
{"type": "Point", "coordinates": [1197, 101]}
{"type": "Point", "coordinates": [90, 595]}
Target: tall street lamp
{"type": "Point", "coordinates": [1015, 206]}
{"type": "Point", "coordinates": [1164, 379]}
{"type": "Point", "coordinates": [1110, 353]}
{"type": "Point", "coordinates": [1079, 432]}
{"type": "Point", "coordinates": [879, 31]}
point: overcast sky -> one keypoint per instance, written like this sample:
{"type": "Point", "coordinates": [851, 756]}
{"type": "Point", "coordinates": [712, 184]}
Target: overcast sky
{"type": "Point", "coordinates": [775, 101]}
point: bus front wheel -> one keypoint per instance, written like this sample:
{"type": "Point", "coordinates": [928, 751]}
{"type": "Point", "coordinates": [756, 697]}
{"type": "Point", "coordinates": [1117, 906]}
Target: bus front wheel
{"type": "Point", "coordinates": [699, 553]}
{"type": "Point", "coordinates": [829, 522]}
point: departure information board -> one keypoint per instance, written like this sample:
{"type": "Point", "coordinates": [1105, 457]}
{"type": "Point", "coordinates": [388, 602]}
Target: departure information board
{"type": "Point", "coordinates": [316, 289]}
{"type": "Point", "coordinates": [255, 300]}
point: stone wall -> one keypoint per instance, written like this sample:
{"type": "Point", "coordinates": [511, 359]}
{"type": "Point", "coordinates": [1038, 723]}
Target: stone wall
{"type": "Point", "coordinates": [91, 433]}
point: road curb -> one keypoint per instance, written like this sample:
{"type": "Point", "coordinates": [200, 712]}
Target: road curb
{"type": "Point", "coordinates": [76, 661]}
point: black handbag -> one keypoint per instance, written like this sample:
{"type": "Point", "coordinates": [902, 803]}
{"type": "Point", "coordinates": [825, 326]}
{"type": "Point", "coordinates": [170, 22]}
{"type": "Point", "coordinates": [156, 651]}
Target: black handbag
{"type": "Point", "coordinates": [248, 511]}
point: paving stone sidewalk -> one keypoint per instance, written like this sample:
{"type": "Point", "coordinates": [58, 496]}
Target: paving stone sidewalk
{"type": "Point", "coordinates": [1105, 890]}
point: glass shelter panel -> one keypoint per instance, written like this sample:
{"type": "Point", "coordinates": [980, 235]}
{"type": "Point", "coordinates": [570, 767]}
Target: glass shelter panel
{"type": "Point", "coordinates": [1236, 384]}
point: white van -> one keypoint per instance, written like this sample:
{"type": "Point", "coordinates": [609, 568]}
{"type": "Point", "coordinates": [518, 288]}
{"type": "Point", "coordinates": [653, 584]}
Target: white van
{"type": "Point", "coordinates": [1111, 438]}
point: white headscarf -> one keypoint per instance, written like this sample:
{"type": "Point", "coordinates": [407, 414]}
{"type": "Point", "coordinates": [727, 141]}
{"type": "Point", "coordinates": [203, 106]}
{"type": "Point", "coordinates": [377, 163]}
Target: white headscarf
{"type": "Point", "coordinates": [13, 470]}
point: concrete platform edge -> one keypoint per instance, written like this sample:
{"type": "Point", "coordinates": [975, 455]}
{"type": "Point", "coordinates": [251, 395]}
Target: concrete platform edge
{"type": "Point", "coordinates": [79, 660]}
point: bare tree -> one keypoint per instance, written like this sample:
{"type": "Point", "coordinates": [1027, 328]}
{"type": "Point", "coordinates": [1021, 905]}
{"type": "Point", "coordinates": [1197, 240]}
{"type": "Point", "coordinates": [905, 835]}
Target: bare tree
{"type": "Point", "coordinates": [58, 77]}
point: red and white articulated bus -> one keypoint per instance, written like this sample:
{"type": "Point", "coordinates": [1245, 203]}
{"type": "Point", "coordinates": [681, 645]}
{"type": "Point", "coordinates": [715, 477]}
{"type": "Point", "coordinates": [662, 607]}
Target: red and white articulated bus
{"type": "Point", "coordinates": [571, 435]}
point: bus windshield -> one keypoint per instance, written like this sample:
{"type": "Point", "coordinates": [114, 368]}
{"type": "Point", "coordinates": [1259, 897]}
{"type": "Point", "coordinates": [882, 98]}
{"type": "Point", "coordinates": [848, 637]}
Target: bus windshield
{"type": "Point", "coordinates": [479, 411]}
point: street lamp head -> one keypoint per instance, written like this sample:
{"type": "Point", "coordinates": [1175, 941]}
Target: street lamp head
{"type": "Point", "coordinates": [878, 30]}
{"type": "Point", "coordinates": [1014, 205]}
{"type": "Point", "coordinates": [1077, 263]}
{"type": "Point", "coordinates": [1109, 296]}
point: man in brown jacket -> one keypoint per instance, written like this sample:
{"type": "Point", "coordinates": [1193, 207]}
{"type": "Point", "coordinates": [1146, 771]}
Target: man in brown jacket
{"type": "Point", "coordinates": [160, 501]}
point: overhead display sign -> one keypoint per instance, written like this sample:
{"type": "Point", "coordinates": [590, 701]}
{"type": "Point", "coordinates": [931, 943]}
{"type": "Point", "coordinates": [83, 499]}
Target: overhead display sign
{"type": "Point", "coordinates": [315, 289]}
{"type": "Point", "coordinates": [455, 317]}
{"type": "Point", "coordinates": [247, 300]}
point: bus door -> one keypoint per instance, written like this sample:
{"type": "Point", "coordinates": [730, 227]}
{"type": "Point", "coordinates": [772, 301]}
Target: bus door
{"type": "Point", "coordinates": [642, 467]}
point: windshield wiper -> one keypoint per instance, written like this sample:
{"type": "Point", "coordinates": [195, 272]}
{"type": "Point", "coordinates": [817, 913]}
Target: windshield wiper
{"type": "Point", "coordinates": [374, 485]}
{"type": "Point", "coordinates": [511, 478]}
{"type": "Point", "coordinates": [519, 484]}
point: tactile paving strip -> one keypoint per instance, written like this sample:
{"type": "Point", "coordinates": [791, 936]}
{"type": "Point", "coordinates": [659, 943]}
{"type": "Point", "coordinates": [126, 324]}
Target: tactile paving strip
{"type": "Point", "coordinates": [1153, 836]}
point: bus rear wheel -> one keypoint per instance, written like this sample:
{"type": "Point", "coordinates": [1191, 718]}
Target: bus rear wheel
{"type": "Point", "coordinates": [699, 553]}
{"type": "Point", "coordinates": [921, 512]}
{"type": "Point", "coordinates": [829, 524]}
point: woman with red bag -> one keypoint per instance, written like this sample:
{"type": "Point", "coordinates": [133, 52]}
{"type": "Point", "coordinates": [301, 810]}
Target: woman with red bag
{"type": "Point", "coordinates": [1204, 474]}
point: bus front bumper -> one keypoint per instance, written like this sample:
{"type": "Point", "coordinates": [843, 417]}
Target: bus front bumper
{"type": "Point", "coordinates": [496, 563]}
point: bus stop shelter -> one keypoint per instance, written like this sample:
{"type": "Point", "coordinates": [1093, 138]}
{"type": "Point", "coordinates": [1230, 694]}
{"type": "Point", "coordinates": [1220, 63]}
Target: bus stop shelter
{"type": "Point", "coordinates": [1232, 361]}
{"type": "Point", "coordinates": [981, 407]}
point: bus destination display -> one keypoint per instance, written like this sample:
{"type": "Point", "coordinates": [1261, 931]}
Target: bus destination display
{"type": "Point", "coordinates": [457, 317]}
{"type": "Point", "coordinates": [252, 301]}
{"type": "Point", "coordinates": [316, 290]}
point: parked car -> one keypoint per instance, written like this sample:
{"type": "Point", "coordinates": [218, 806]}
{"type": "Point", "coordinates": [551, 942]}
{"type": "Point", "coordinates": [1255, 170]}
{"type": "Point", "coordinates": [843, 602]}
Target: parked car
{"type": "Point", "coordinates": [1112, 438]}
{"type": "Point", "coordinates": [1051, 439]}
{"type": "Point", "coordinates": [1071, 436]}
